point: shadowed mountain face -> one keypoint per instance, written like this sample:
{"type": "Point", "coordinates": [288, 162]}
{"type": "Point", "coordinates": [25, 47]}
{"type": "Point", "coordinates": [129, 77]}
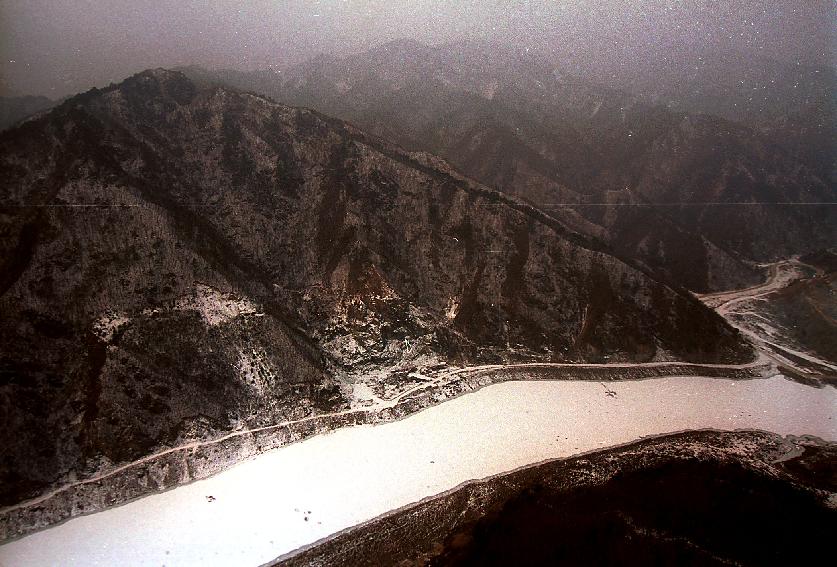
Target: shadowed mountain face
{"type": "Point", "coordinates": [514, 121]}
{"type": "Point", "coordinates": [180, 261]}
{"type": "Point", "coordinates": [791, 104]}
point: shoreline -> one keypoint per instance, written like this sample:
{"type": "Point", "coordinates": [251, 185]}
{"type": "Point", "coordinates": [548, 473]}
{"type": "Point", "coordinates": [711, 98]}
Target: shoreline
{"type": "Point", "coordinates": [184, 465]}
{"type": "Point", "coordinates": [758, 447]}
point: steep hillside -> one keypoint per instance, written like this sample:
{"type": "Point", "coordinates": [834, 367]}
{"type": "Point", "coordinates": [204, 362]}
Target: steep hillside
{"type": "Point", "coordinates": [515, 122]}
{"type": "Point", "coordinates": [179, 262]}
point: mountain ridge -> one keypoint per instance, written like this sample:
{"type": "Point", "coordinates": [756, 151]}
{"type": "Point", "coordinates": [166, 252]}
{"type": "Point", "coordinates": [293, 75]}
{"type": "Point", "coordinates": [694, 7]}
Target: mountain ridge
{"type": "Point", "coordinates": [185, 262]}
{"type": "Point", "coordinates": [512, 120]}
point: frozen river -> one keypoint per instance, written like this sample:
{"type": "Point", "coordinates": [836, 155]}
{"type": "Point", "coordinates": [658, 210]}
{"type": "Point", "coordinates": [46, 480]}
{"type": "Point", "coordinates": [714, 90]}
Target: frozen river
{"type": "Point", "coordinates": [296, 495]}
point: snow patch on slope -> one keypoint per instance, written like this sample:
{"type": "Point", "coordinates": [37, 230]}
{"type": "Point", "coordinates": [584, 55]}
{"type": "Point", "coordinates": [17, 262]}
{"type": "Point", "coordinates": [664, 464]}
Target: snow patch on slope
{"type": "Point", "coordinates": [107, 325]}
{"type": "Point", "coordinates": [215, 307]}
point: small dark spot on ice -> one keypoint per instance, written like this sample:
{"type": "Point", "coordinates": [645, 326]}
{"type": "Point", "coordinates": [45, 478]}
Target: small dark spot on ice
{"type": "Point", "coordinates": [306, 518]}
{"type": "Point", "coordinates": [608, 392]}
{"type": "Point", "coordinates": [210, 498]}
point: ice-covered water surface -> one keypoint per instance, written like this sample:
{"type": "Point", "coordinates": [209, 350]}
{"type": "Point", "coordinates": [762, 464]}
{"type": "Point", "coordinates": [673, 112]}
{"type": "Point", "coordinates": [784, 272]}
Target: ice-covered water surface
{"type": "Point", "coordinates": [294, 496]}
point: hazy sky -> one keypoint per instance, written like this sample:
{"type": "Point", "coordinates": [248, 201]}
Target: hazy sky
{"type": "Point", "coordinates": [59, 47]}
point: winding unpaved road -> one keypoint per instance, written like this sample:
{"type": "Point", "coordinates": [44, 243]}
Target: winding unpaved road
{"type": "Point", "coordinates": [779, 275]}
{"type": "Point", "coordinates": [728, 304]}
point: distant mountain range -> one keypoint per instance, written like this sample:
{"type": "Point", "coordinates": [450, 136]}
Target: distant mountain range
{"type": "Point", "coordinates": [696, 197]}
{"type": "Point", "coordinates": [181, 260]}
{"type": "Point", "coordinates": [15, 109]}
{"type": "Point", "coordinates": [790, 104]}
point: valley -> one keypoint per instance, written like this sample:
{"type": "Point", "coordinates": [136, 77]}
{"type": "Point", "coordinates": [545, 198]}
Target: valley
{"type": "Point", "coordinates": [200, 459]}
{"type": "Point", "coordinates": [377, 330]}
{"type": "Point", "coordinates": [202, 261]}
{"type": "Point", "coordinates": [426, 284]}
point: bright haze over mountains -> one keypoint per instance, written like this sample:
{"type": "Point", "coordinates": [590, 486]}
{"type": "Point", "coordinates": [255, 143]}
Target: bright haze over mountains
{"type": "Point", "coordinates": [226, 227]}
{"type": "Point", "coordinates": [60, 48]}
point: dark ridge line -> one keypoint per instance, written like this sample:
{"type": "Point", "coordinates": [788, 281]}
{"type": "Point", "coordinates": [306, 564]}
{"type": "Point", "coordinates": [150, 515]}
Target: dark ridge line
{"type": "Point", "coordinates": [460, 180]}
{"type": "Point", "coordinates": [396, 153]}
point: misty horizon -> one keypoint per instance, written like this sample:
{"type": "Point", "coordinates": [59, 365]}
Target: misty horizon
{"type": "Point", "coordinates": [56, 50]}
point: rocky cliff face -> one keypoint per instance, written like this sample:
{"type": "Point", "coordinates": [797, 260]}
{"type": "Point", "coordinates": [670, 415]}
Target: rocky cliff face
{"type": "Point", "coordinates": [515, 122]}
{"type": "Point", "coordinates": [182, 261]}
